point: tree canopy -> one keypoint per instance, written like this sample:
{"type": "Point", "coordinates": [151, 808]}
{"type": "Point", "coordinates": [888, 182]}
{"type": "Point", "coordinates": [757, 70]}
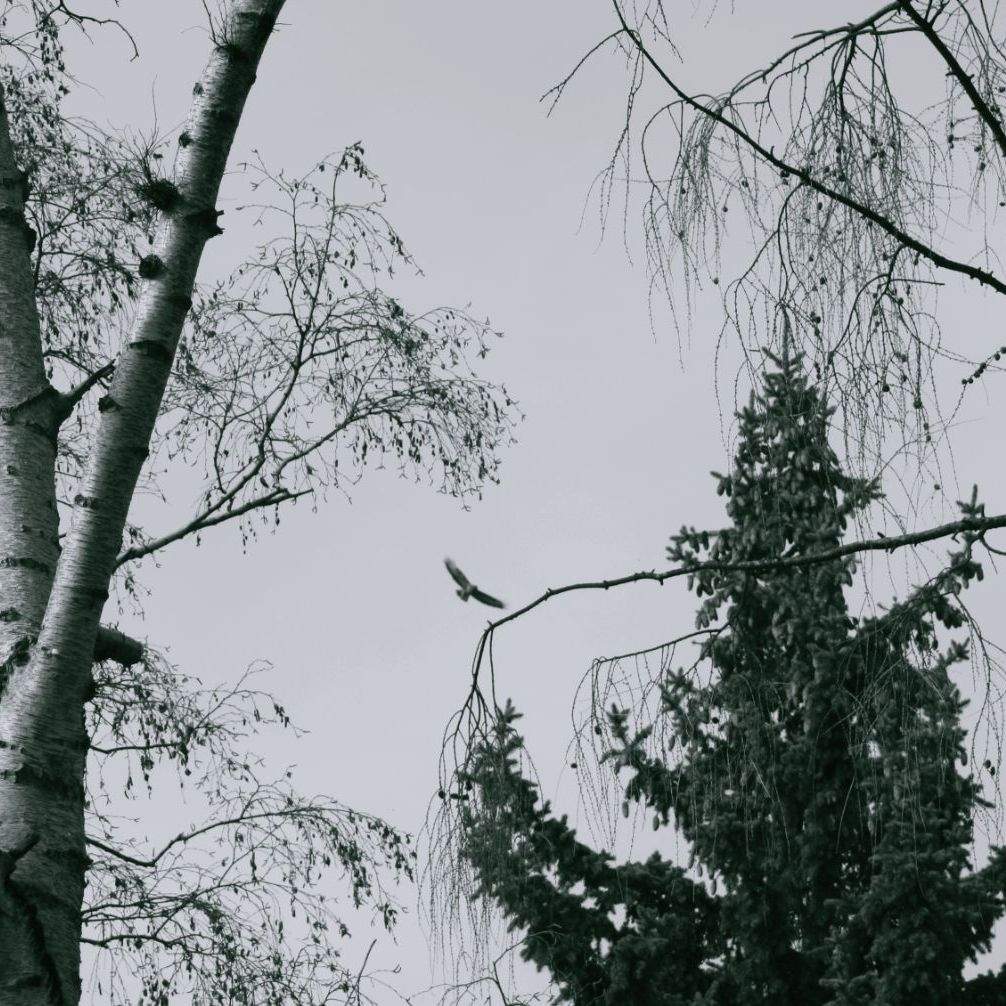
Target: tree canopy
{"type": "Point", "coordinates": [818, 774]}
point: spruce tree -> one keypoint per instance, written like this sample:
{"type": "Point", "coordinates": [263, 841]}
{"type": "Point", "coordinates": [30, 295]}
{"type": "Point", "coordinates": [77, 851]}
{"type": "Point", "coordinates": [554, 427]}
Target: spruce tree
{"type": "Point", "coordinates": [819, 776]}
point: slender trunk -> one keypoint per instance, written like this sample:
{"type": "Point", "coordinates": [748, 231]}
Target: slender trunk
{"type": "Point", "coordinates": [29, 545]}
{"type": "Point", "coordinates": [43, 746]}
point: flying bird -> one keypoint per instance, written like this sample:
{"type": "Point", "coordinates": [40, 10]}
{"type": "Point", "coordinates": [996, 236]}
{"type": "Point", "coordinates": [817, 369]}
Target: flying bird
{"type": "Point", "coordinates": [467, 589]}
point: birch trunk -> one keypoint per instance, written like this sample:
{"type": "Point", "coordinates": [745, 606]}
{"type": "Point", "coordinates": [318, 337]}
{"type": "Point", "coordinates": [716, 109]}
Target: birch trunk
{"type": "Point", "coordinates": [50, 603]}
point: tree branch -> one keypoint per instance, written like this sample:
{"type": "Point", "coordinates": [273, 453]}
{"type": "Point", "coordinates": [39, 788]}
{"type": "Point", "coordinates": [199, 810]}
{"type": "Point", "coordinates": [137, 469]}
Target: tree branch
{"type": "Point", "coordinates": [114, 645]}
{"type": "Point", "coordinates": [983, 276]}
{"type": "Point", "coordinates": [182, 837]}
{"type": "Point", "coordinates": [82, 20]}
{"type": "Point", "coordinates": [275, 497]}
{"type": "Point", "coordinates": [980, 105]}
{"type": "Point", "coordinates": [968, 524]}
{"type": "Point", "coordinates": [68, 400]}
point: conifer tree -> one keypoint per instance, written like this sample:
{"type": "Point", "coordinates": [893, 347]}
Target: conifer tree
{"type": "Point", "coordinates": [819, 776]}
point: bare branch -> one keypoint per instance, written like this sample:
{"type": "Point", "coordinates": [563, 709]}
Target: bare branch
{"type": "Point", "coordinates": [83, 20]}
{"type": "Point", "coordinates": [880, 544]}
{"type": "Point", "coordinates": [68, 400]}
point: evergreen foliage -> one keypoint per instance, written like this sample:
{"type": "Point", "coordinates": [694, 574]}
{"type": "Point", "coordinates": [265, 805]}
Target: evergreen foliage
{"type": "Point", "coordinates": [815, 776]}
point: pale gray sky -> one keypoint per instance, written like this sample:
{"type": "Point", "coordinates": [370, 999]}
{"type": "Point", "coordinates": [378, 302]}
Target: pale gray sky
{"type": "Point", "coordinates": [352, 605]}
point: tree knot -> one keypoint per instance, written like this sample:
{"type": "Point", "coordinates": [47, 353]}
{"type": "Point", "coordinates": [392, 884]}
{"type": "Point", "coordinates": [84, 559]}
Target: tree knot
{"type": "Point", "coordinates": [151, 266]}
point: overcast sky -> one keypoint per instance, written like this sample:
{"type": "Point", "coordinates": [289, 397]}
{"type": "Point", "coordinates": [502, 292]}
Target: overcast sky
{"type": "Point", "coordinates": [352, 605]}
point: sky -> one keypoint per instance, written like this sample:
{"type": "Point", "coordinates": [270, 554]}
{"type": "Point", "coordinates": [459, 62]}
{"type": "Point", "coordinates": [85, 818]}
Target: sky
{"type": "Point", "coordinates": [369, 645]}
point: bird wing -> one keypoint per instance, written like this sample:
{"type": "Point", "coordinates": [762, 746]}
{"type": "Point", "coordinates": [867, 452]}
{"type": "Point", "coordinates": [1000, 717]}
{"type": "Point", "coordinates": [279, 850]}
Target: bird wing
{"type": "Point", "coordinates": [493, 602]}
{"type": "Point", "coordinates": [459, 578]}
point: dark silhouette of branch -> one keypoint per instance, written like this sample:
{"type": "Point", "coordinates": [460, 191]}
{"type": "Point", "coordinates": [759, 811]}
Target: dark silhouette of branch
{"type": "Point", "coordinates": [981, 106]}
{"type": "Point", "coordinates": [83, 20]}
{"type": "Point", "coordinates": [114, 645]}
{"type": "Point", "coordinates": [884, 544]}
{"type": "Point", "coordinates": [188, 836]}
{"type": "Point", "coordinates": [476, 706]}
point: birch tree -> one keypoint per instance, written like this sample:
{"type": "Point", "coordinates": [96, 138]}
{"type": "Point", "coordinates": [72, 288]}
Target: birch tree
{"type": "Point", "coordinates": [281, 379]}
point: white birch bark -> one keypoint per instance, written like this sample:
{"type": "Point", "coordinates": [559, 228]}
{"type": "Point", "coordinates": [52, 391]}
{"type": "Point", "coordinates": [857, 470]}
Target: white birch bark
{"type": "Point", "coordinates": [50, 603]}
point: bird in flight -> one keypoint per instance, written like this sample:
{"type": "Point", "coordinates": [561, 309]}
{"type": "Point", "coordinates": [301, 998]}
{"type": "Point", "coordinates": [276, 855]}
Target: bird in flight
{"type": "Point", "coordinates": [467, 589]}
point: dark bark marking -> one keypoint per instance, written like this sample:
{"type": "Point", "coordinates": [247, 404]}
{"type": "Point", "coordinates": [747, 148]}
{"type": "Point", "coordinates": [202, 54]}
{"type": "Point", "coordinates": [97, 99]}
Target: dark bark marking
{"type": "Point", "coordinates": [9, 615]}
{"type": "Point", "coordinates": [185, 139]}
{"type": "Point", "coordinates": [224, 116]}
{"type": "Point", "coordinates": [20, 651]}
{"type": "Point", "coordinates": [207, 220]}
{"type": "Point", "coordinates": [151, 348]}
{"type": "Point", "coordinates": [15, 217]}
{"type": "Point", "coordinates": [27, 982]}
{"type": "Point", "coordinates": [16, 562]}
{"type": "Point", "coordinates": [28, 529]}
{"type": "Point", "coordinates": [87, 502]}
{"type": "Point", "coordinates": [235, 52]}
{"type": "Point", "coordinates": [107, 403]}
{"type": "Point", "coordinates": [17, 180]}
{"type": "Point", "coordinates": [9, 857]}
{"type": "Point", "coordinates": [96, 596]}
{"type": "Point", "coordinates": [43, 431]}
{"type": "Point", "coordinates": [48, 976]}
{"type": "Point", "coordinates": [47, 782]}
{"type": "Point", "coordinates": [19, 655]}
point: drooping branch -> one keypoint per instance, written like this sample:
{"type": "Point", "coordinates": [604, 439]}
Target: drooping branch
{"type": "Point", "coordinates": [990, 117]}
{"type": "Point", "coordinates": [787, 169]}
{"type": "Point", "coordinates": [172, 911]}
{"type": "Point", "coordinates": [847, 181]}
